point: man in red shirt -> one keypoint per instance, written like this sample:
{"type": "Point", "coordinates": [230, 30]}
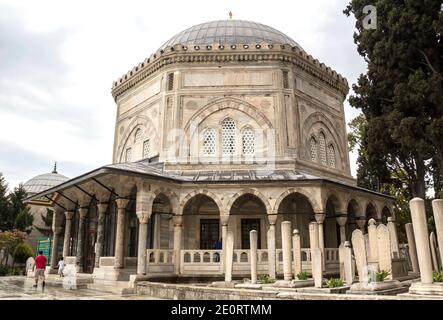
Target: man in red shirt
{"type": "Point", "coordinates": [39, 268]}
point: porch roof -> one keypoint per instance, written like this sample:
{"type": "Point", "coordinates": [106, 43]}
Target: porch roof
{"type": "Point", "coordinates": [155, 170]}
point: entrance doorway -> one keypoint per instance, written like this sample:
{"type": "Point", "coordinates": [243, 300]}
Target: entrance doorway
{"type": "Point", "coordinates": [247, 225]}
{"type": "Point", "coordinates": [209, 233]}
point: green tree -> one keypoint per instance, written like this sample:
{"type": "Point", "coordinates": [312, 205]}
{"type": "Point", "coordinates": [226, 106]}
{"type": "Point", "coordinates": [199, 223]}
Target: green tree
{"type": "Point", "coordinates": [401, 93]}
{"type": "Point", "coordinates": [9, 240]}
{"type": "Point", "coordinates": [3, 203]}
{"type": "Point", "coordinates": [24, 220]}
{"type": "Point", "coordinates": [47, 220]}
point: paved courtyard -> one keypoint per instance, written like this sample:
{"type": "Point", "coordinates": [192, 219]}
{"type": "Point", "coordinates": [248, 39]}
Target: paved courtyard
{"type": "Point", "coordinates": [21, 288]}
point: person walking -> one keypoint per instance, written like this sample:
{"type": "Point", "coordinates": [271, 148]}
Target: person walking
{"type": "Point", "coordinates": [39, 268]}
{"type": "Point", "coordinates": [61, 267]}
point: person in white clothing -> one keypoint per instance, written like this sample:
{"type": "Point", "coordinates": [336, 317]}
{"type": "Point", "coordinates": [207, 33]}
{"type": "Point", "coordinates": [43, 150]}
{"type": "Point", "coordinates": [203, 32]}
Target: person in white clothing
{"type": "Point", "coordinates": [61, 267]}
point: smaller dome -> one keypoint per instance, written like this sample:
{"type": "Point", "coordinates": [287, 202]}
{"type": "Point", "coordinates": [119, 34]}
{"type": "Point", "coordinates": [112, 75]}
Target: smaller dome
{"type": "Point", "coordinates": [44, 181]}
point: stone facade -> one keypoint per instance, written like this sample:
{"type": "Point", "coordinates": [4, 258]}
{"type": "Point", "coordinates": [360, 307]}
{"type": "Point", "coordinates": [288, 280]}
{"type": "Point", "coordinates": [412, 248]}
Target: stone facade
{"type": "Point", "coordinates": [212, 140]}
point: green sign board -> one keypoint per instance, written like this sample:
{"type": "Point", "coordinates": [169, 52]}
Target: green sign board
{"type": "Point", "coordinates": [45, 245]}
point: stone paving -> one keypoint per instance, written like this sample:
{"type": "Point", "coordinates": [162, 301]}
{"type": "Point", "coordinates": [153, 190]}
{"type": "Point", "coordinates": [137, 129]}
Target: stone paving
{"type": "Point", "coordinates": [21, 288]}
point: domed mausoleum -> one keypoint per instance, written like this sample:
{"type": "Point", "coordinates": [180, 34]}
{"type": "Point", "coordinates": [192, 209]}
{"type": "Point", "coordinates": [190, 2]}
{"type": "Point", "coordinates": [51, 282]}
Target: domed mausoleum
{"type": "Point", "coordinates": [38, 208]}
{"type": "Point", "coordinates": [229, 127]}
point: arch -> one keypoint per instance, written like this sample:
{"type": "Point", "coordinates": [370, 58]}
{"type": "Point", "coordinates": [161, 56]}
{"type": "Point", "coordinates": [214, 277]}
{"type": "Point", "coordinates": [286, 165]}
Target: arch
{"type": "Point", "coordinates": [355, 206]}
{"type": "Point", "coordinates": [310, 196]}
{"type": "Point", "coordinates": [171, 195]}
{"type": "Point", "coordinates": [205, 192]}
{"type": "Point", "coordinates": [371, 212]}
{"type": "Point", "coordinates": [254, 192]}
{"type": "Point", "coordinates": [327, 125]}
{"type": "Point", "coordinates": [233, 103]}
{"type": "Point", "coordinates": [138, 122]}
{"type": "Point", "coordinates": [385, 214]}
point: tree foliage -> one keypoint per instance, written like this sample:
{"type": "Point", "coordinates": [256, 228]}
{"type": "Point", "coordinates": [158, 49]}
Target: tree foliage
{"type": "Point", "coordinates": [47, 220]}
{"type": "Point", "coordinates": [401, 94]}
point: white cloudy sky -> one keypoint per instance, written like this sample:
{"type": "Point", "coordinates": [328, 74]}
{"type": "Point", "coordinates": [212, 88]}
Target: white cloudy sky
{"type": "Point", "coordinates": [58, 60]}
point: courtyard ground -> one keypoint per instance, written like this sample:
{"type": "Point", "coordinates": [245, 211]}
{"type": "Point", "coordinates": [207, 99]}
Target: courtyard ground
{"type": "Point", "coordinates": [21, 288]}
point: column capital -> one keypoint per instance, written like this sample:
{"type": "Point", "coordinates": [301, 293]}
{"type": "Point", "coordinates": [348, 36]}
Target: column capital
{"type": "Point", "coordinates": [272, 218]}
{"type": "Point", "coordinates": [320, 217]}
{"type": "Point", "coordinates": [341, 220]}
{"type": "Point", "coordinates": [178, 220]}
{"type": "Point", "coordinates": [102, 207]}
{"type": "Point", "coordinates": [83, 212]}
{"type": "Point", "coordinates": [224, 218]}
{"type": "Point", "coordinates": [69, 214]}
{"type": "Point", "coordinates": [121, 203]}
{"type": "Point", "coordinates": [143, 219]}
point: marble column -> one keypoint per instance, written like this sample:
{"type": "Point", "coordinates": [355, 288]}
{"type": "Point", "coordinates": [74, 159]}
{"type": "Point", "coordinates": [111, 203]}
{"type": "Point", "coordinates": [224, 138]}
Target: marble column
{"type": "Point", "coordinates": [420, 226]}
{"type": "Point", "coordinates": [67, 239]}
{"type": "Point", "coordinates": [272, 219]}
{"type": "Point", "coordinates": [224, 219]}
{"type": "Point", "coordinates": [341, 220]}
{"type": "Point", "coordinates": [178, 227]}
{"type": "Point", "coordinates": [141, 251]}
{"type": "Point", "coordinates": [372, 237]}
{"type": "Point", "coordinates": [253, 255]}
{"type": "Point", "coordinates": [316, 254]}
{"type": "Point", "coordinates": [229, 256]}
{"type": "Point", "coordinates": [412, 247]}
{"type": "Point", "coordinates": [296, 251]}
{"type": "Point", "coordinates": [286, 249]}
{"type": "Point", "coordinates": [120, 233]}
{"type": "Point", "coordinates": [83, 212]}
{"type": "Point", "coordinates": [102, 207]}
{"type": "Point", "coordinates": [395, 250]}
{"type": "Point", "coordinates": [56, 230]}
{"type": "Point", "coordinates": [437, 209]}
{"type": "Point", "coordinates": [320, 218]}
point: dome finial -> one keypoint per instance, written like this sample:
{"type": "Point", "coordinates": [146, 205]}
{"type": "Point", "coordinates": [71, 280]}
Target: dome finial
{"type": "Point", "coordinates": [230, 15]}
{"type": "Point", "coordinates": [55, 167]}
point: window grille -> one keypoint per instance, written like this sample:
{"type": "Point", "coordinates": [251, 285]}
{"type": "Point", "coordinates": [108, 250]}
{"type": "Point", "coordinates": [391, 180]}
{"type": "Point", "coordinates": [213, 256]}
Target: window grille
{"type": "Point", "coordinates": [146, 149]}
{"type": "Point", "coordinates": [331, 156]}
{"type": "Point", "coordinates": [285, 80]}
{"type": "Point", "coordinates": [313, 149]}
{"type": "Point", "coordinates": [322, 142]}
{"type": "Point", "coordinates": [248, 142]}
{"type": "Point", "coordinates": [228, 136]}
{"type": "Point", "coordinates": [138, 135]}
{"type": "Point", "coordinates": [128, 154]}
{"type": "Point", "coordinates": [170, 82]}
{"type": "Point", "coordinates": [209, 142]}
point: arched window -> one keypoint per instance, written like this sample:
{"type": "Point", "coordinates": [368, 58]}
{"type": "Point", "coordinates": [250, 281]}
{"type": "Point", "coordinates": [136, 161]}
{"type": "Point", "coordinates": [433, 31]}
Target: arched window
{"type": "Point", "coordinates": [146, 149]}
{"type": "Point", "coordinates": [128, 154]}
{"type": "Point", "coordinates": [209, 142]}
{"type": "Point", "coordinates": [322, 147]}
{"type": "Point", "coordinates": [228, 136]}
{"type": "Point", "coordinates": [313, 149]}
{"type": "Point", "coordinates": [248, 142]}
{"type": "Point", "coordinates": [331, 156]}
{"type": "Point", "coordinates": [137, 135]}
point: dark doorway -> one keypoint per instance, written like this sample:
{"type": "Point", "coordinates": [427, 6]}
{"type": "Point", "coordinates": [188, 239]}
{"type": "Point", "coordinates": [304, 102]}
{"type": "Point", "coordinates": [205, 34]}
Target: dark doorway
{"type": "Point", "coordinates": [209, 233]}
{"type": "Point", "coordinates": [246, 226]}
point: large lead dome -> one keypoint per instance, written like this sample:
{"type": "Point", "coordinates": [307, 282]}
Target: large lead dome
{"type": "Point", "coordinates": [229, 32]}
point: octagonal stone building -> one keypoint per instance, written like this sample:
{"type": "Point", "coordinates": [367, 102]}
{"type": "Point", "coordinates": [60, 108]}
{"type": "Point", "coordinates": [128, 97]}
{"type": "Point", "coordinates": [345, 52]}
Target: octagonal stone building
{"type": "Point", "coordinates": [229, 126]}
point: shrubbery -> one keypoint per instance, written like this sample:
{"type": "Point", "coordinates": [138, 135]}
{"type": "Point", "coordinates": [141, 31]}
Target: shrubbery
{"type": "Point", "coordinates": [22, 252]}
